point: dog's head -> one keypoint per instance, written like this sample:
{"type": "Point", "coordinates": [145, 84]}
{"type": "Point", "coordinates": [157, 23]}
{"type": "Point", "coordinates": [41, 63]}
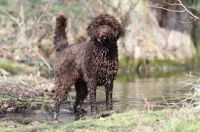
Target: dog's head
{"type": "Point", "coordinates": [105, 28]}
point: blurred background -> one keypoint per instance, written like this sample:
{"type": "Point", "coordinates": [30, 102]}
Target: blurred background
{"type": "Point", "coordinates": [159, 50]}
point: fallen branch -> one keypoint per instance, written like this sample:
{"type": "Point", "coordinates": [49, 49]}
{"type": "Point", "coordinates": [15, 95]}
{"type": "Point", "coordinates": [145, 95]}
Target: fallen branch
{"type": "Point", "coordinates": [13, 104]}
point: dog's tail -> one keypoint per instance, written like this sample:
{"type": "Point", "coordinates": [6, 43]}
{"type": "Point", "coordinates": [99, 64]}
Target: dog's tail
{"type": "Point", "coordinates": [60, 39]}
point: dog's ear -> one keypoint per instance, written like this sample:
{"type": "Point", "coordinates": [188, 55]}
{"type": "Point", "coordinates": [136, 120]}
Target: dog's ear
{"type": "Point", "coordinates": [119, 30]}
{"type": "Point", "coordinates": [117, 27]}
{"type": "Point", "coordinates": [92, 27]}
{"type": "Point", "coordinates": [89, 30]}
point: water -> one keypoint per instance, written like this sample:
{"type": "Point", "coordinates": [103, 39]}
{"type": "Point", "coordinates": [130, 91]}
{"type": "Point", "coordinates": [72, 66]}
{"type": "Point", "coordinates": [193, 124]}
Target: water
{"type": "Point", "coordinates": [138, 93]}
{"type": "Point", "coordinates": [154, 93]}
{"type": "Point", "coordinates": [142, 93]}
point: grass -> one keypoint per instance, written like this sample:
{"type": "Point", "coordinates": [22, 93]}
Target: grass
{"type": "Point", "coordinates": [168, 120]}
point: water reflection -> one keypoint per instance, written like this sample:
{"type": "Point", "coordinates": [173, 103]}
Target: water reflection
{"type": "Point", "coordinates": [143, 92]}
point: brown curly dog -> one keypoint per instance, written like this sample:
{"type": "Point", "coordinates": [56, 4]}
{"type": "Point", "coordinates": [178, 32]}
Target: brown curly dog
{"type": "Point", "coordinates": [87, 65]}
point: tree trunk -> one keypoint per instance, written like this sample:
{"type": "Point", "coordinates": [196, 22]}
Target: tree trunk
{"type": "Point", "coordinates": [156, 33]}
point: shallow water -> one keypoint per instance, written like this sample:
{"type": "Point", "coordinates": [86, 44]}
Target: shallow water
{"type": "Point", "coordinates": [138, 93]}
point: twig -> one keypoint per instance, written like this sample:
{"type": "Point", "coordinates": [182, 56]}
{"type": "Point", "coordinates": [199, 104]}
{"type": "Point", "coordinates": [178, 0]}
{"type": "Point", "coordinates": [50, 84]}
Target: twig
{"type": "Point", "coordinates": [146, 102]}
{"type": "Point", "coordinates": [33, 34]}
{"type": "Point", "coordinates": [15, 20]}
{"type": "Point", "coordinates": [22, 18]}
{"type": "Point", "coordinates": [43, 12]}
{"type": "Point", "coordinates": [188, 10]}
{"type": "Point", "coordinates": [178, 4]}
{"type": "Point", "coordinates": [21, 24]}
{"type": "Point", "coordinates": [159, 7]}
{"type": "Point", "coordinates": [43, 59]}
{"type": "Point", "coordinates": [163, 98]}
{"type": "Point", "coordinates": [170, 3]}
{"type": "Point", "coordinates": [187, 22]}
{"type": "Point", "coordinates": [194, 8]}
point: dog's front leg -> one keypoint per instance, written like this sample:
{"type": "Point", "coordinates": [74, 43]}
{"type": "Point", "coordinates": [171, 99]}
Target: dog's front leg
{"type": "Point", "coordinates": [92, 92]}
{"type": "Point", "coordinates": [109, 89]}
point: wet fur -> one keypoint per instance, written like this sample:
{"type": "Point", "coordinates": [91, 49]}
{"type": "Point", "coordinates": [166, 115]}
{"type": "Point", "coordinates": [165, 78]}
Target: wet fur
{"type": "Point", "coordinates": [87, 65]}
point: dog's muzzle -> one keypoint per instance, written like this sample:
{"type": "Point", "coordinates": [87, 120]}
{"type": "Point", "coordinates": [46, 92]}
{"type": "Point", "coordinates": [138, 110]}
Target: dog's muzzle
{"type": "Point", "coordinates": [102, 39]}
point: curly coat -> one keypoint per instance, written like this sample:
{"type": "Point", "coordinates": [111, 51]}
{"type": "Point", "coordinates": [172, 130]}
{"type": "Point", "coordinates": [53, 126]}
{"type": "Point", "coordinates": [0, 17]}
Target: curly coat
{"type": "Point", "coordinates": [87, 65]}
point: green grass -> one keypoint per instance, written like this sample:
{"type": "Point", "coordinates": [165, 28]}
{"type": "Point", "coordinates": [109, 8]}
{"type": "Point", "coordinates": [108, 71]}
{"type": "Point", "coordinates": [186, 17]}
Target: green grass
{"type": "Point", "coordinates": [185, 119]}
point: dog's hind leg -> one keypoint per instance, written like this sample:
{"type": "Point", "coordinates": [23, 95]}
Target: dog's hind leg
{"type": "Point", "coordinates": [62, 89]}
{"type": "Point", "coordinates": [81, 94]}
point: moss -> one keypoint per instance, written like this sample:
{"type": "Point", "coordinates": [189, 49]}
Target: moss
{"type": "Point", "coordinates": [164, 63]}
{"type": "Point", "coordinates": [12, 67]}
{"type": "Point", "coordinates": [127, 62]}
{"type": "Point", "coordinates": [158, 65]}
